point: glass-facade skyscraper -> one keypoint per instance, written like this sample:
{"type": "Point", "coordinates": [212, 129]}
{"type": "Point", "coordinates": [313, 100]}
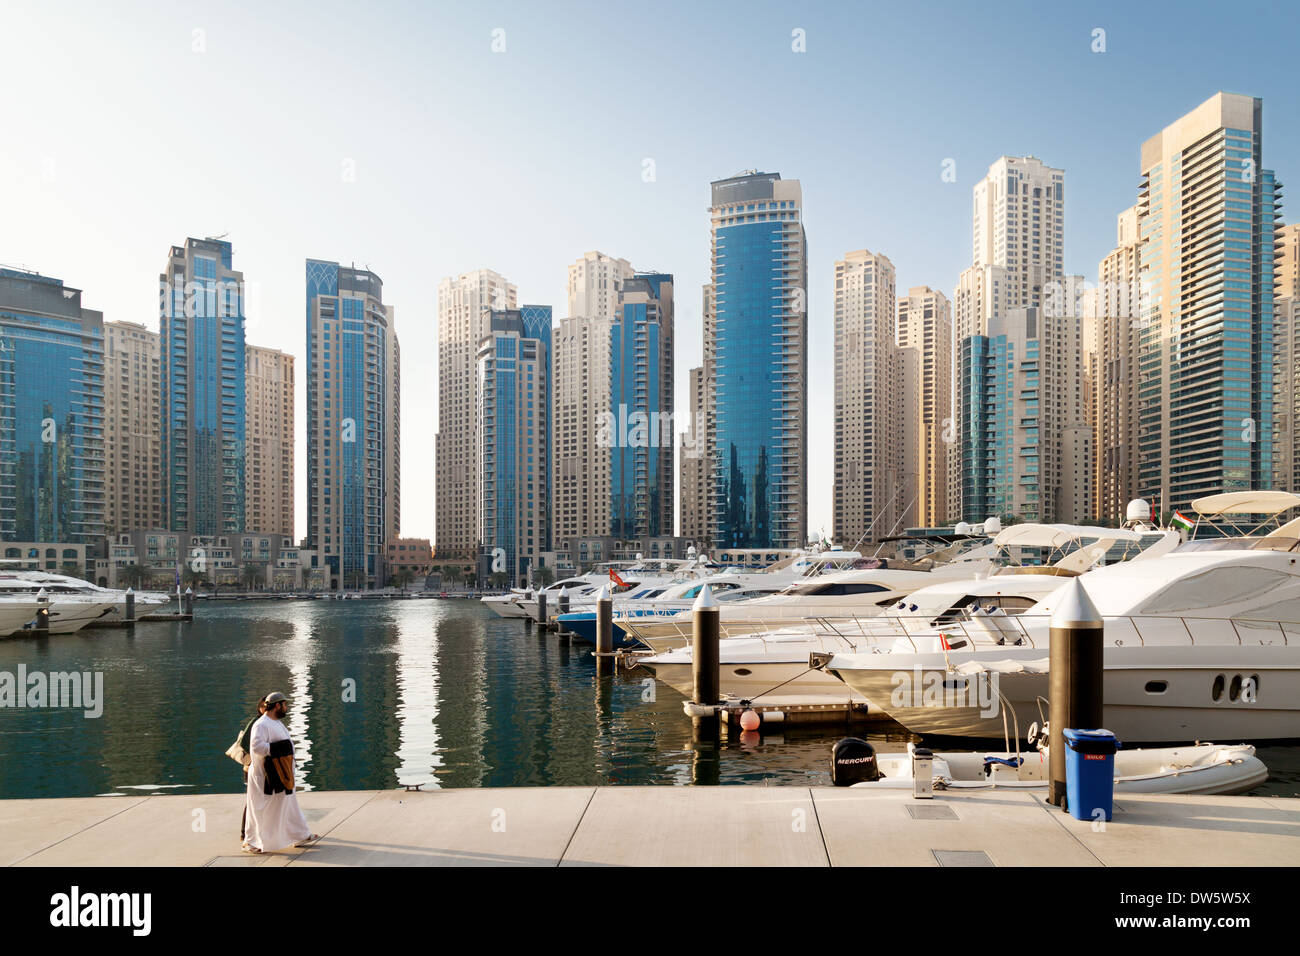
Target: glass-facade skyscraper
{"type": "Point", "coordinates": [353, 441]}
{"type": "Point", "coordinates": [756, 358]}
{"type": "Point", "coordinates": [201, 321]}
{"type": "Point", "coordinates": [641, 406]}
{"type": "Point", "coordinates": [514, 432]}
{"type": "Point", "coordinates": [52, 482]}
{"type": "Point", "coordinates": [1206, 217]}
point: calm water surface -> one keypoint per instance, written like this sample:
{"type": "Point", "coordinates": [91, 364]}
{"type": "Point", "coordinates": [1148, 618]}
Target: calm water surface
{"type": "Point", "coordinates": [384, 693]}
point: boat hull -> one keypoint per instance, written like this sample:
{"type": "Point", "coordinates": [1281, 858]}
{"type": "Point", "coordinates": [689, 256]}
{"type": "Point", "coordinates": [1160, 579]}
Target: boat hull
{"type": "Point", "coordinates": [1150, 694]}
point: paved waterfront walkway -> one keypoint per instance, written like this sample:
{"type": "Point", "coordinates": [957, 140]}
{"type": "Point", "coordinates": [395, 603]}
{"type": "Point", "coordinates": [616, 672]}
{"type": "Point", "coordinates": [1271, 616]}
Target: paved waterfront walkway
{"type": "Point", "coordinates": [694, 826]}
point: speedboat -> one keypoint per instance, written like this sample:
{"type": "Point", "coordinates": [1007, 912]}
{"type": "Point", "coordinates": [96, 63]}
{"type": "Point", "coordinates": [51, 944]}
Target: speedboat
{"type": "Point", "coordinates": [1202, 768]}
{"type": "Point", "coordinates": [1203, 642]}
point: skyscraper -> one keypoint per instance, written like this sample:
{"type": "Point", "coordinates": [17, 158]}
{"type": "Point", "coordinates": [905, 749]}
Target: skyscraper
{"type": "Point", "coordinates": [514, 372]}
{"type": "Point", "coordinates": [874, 479]}
{"type": "Point", "coordinates": [269, 481]}
{"type": "Point", "coordinates": [353, 414]}
{"type": "Point", "coordinates": [1286, 384]}
{"type": "Point", "coordinates": [464, 302]}
{"type": "Point", "coordinates": [1026, 449]}
{"type": "Point", "coordinates": [925, 328]}
{"type": "Point", "coordinates": [1206, 211]}
{"type": "Point", "coordinates": [202, 382]}
{"type": "Point", "coordinates": [641, 408]}
{"type": "Point", "coordinates": [582, 394]}
{"type": "Point", "coordinates": [756, 363]}
{"type": "Point", "coordinates": [692, 462]}
{"type": "Point", "coordinates": [132, 428]}
{"type": "Point", "coordinates": [1017, 262]}
{"type": "Point", "coordinates": [52, 483]}
{"type": "Point", "coordinates": [1111, 339]}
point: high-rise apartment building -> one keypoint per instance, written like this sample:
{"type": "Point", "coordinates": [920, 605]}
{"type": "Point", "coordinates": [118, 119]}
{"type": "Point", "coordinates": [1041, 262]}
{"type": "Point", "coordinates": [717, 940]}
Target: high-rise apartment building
{"type": "Point", "coordinates": [1286, 373]}
{"type": "Point", "coordinates": [514, 373]}
{"type": "Point", "coordinates": [594, 284]}
{"type": "Point", "coordinates": [756, 363]}
{"type": "Point", "coordinates": [582, 391]}
{"type": "Point", "coordinates": [52, 481]}
{"type": "Point", "coordinates": [581, 365]}
{"type": "Point", "coordinates": [201, 317]}
{"type": "Point", "coordinates": [1111, 324]}
{"type": "Point", "coordinates": [640, 418]}
{"type": "Point", "coordinates": [353, 414]}
{"type": "Point", "coordinates": [132, 428]}
{"type": "Point", "coordinates": [268, 483]}
{"type": "Point", "coordinates": [464, 302]}
{"type": "Point", "coordinates": [1206, 211]}
{"type": "Point", "coordinates": [1018, 241]}
{"type": "Point", "coordinates": [875, 478]}
{"type": "Point", "coordinates": [925, 329]}
{"type": "Point", "coordinates": [1026, 449]}
{"type": "Point", "coordinates": [693, 467]}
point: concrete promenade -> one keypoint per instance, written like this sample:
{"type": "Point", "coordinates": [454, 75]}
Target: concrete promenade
{"type": "Point", "coordinates": [658, 826]}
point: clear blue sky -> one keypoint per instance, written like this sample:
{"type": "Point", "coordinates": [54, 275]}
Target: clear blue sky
{"type": "Point", "coordinates": [122, 137]}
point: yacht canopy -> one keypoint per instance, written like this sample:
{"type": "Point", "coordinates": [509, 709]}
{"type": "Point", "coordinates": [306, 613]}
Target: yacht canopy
{"type": "Point", "coordinates": [1246, 503]}
{"type": "Point", "coordinates": [1058, 535]}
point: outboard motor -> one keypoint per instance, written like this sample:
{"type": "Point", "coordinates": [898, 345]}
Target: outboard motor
{"type": "Point", "coordinates": [853, 760]}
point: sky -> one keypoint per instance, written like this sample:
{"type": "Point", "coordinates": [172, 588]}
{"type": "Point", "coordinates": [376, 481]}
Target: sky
{"type": "Point", "coordinates": [425, 140]}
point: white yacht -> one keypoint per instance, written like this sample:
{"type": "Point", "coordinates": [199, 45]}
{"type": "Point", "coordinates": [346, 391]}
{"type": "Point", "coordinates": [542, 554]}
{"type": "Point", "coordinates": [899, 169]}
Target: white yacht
{"type": "Point", "coordinates": [55, 583]}
{"type": "Point", "coordinates": [777, 660]}
{"type": "Point", "coordinates": [1201, 643]}
{"type": "Point", "coordinates": [869, 587]}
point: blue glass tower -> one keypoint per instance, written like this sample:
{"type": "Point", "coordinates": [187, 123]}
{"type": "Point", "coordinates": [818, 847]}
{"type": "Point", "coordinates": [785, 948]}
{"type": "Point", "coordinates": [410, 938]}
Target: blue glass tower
{"type": "Point", "coordinates": [641, 400]}
{"type": "Point", "coordinates": [756, 359]}
{"type": "Point", "coordinates": [201, 319]}
{"type": "Point", "coordinates": [514, 421]}
{"type": "Point", "coordinates": [51, 412]}
{"type": "Point", "coordinates": [353, 453]}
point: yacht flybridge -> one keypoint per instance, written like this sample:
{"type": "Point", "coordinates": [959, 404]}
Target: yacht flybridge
{"type": "Point", "coordinates": [1202, 642]}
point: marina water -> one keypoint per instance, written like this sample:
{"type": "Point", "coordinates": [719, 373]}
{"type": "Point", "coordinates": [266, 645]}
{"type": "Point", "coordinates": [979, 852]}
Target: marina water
{"type": "Point", "coordinates": [385, 693]}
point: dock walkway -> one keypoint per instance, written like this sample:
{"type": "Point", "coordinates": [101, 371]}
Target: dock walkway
{"type": "Point", "coordinates": [750, 825]}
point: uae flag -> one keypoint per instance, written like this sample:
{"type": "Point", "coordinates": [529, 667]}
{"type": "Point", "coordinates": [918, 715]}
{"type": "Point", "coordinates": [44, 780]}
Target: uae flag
{"type": "Point", "coordinates": [1180, 520]}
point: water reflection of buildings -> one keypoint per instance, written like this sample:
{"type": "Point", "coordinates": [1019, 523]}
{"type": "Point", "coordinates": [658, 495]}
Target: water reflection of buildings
{"type": "Point", "coordinates": [461, 695]}
{"type": "Point", "coordinates": [417, 691]}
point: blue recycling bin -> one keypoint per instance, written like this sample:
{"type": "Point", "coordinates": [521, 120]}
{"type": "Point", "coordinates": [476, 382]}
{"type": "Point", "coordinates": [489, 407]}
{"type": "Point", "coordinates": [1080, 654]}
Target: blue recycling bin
{"type": "Point", "coordinates": [1089, 772]}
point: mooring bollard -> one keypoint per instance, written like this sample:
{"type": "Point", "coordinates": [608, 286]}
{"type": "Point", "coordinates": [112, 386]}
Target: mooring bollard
{"type": "Point", "coordinates": [706, 660]}
{"type": "Point", "coordinates": [130, 605]}
{"type": "Point", "coordinates": [604, 631]}
{"type": "Point", "coordinates": [564, 609]}
{"type": "Point", "coordinates": [187, 608]}
{"type": "Point", "coordinates": [528, 615]}
{"type": "Point", "coordinates": [541, 609]}
{"type": "Point", "coordinates": [1075, 681]}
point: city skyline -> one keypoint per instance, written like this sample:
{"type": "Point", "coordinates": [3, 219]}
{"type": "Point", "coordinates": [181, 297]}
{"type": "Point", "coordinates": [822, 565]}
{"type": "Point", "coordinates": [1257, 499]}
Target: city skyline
{"type": "Point", "coordinates": [856, 194]}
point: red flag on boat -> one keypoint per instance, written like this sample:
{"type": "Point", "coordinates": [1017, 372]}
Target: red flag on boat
{"type": "Point", "coordinates": [613, 576]}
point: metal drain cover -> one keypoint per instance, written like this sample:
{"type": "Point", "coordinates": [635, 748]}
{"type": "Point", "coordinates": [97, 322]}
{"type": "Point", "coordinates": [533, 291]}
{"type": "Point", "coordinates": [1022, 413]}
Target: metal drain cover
{"type": "Point", "coordinates": [931, 812]}
{"type": "Point", "coordinates": [962, 858]}
{"type": "Point", "coordinates": [244, 859]}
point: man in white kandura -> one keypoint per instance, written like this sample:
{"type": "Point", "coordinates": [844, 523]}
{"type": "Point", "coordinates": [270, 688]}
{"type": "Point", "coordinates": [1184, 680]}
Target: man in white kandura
{"type": "Point", "coordinates": [275, 820]}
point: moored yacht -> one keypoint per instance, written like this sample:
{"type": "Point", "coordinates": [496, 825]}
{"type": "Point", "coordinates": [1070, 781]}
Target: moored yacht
{"type": "Point", "coordinates": [1200, 643]}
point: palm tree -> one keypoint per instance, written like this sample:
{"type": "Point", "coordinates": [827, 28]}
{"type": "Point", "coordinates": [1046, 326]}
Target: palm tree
{"type": "Point", "coordinates": [544, 574]}
{"type": "Point", "coordinates": [500, 580]}
{"type": "Point", "coordinates": [403, 577]}
{"type": "Point", "coordinates": [194, 579]}
{"type": "Point", "coordinates": [133, 576]}
{"type": "Point", "coordinates": [451, 575]}
{"type": "Point", "coordinates": [251, 575]}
